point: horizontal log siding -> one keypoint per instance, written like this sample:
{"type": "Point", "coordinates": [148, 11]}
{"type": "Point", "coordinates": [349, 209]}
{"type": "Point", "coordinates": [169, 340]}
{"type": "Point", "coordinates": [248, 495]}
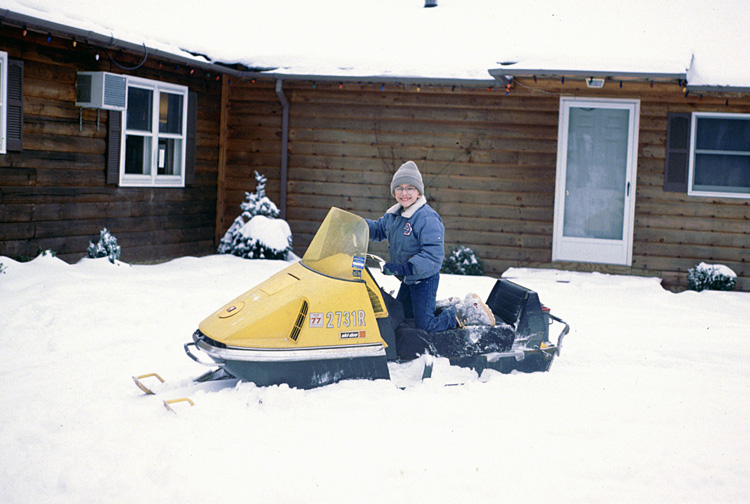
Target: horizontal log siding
{"type": "Point", "coordinates": [488, 161]}
{"type": "Point", "coordinates": [253, 144]}
{"type": "Point", "coordinates": [53, 195]}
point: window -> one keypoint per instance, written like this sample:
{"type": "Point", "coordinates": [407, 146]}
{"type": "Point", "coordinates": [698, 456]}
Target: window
{"type": "Point", "coordinates": [154, 134]}
{"type": "Point", "coordinates": [3, 101]}
{"type": "Point", "coordinates": [719, 162]}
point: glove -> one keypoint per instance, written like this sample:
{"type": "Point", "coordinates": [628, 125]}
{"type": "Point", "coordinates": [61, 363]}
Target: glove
{"type": "Point", "coordinates": [397, 269]}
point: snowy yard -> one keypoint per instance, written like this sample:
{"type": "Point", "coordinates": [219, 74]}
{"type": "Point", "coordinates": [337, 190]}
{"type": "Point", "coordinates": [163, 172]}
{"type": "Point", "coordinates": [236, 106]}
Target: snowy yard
{"type": "Point", "coordinates": [646, 403]}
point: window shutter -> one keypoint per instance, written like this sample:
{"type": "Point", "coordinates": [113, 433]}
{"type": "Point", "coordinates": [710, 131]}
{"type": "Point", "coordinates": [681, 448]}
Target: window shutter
{"type": "Point", "coordinates": [192, 119]}
{"type": "Point", "coordinates": [677, 153]}
{"type": "Point", "coordinates": [15, 106]}
{"type": "Point", "coordinates": [114, 146]}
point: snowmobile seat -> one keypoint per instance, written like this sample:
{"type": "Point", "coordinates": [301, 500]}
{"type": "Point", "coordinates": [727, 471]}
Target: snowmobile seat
{"type": "Point", "coordinates": [453, 343]}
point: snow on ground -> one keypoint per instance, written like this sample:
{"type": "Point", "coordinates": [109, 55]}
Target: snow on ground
{"type": "Point", "coordinates": [647, 402]}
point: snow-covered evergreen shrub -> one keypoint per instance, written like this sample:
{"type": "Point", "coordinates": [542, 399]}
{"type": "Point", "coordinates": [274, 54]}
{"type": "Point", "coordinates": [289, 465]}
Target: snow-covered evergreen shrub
{"type": "Point", "coordinates": [711, 277]}
{"type": "Point", "coordinates": [2, 268]}
{"type": "Point", "coordinates": [462, 261]}
{"type": "Point", "coordinates": [257, 233]}
{"type": "Point", "coordinates": [106, 247]}
{"type": "Point", "coordinates": [39, 252]}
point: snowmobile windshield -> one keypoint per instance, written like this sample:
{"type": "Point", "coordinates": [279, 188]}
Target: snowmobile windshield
{"type": "Point", "coordinates": [339, 247]}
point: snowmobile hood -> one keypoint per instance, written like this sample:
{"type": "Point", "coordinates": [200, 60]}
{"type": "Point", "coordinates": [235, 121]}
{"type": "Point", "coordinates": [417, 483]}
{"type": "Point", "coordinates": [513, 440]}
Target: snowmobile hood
{"type": "Point", "coordinates": [327, 299]}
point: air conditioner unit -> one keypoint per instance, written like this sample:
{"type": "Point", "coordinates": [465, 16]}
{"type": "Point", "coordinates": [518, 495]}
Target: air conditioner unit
{"type": "Point", "coordinates": [101, 90]}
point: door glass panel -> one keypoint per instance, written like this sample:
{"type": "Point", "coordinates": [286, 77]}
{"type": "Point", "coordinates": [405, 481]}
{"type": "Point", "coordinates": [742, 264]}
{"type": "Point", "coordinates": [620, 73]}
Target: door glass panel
{"type": "Point", "coordinates": [596, 173]}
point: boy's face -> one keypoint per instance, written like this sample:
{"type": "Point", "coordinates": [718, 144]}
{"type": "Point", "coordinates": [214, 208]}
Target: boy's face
{"type": "Point", "coordinates": [406, 195]}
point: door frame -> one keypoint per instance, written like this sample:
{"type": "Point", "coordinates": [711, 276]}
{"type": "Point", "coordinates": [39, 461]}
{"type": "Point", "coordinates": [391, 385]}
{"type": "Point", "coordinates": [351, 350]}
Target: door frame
{"type": "Point", "coordinates": [596, 249]}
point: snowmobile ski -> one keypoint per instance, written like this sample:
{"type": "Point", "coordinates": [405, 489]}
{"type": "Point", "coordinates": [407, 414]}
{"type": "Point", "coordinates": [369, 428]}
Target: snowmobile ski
{"type": "Point", "coordinates": [168, 403]}
{"type": "Point", "coordinates": [142, 386]}
{"type": "Point", "coordinates": [199, 383]}
{"type": "Point", "coordinates": [213, 375]}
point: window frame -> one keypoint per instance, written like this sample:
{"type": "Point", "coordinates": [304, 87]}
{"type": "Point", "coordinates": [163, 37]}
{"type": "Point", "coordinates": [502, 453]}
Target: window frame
{"type": "Point", "coordinates": [695, 116]}
{"type": "Point", "coordinates": [154, 179]}
{"type": "Point", "coordinates": [3, 102]}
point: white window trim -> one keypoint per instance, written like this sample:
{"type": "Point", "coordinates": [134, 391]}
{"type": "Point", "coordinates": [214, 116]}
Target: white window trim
{"type": "Point", "coordinates": [691, 160]}
{"type": "Point", "coordinates": [155, 180]}
{"type": "Point", "coordinates": [3, 102]}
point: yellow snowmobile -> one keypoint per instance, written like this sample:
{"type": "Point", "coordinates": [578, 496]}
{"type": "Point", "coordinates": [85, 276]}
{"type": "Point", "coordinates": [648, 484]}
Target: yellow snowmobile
{"type": "Point", "coordinates": [325, 319]}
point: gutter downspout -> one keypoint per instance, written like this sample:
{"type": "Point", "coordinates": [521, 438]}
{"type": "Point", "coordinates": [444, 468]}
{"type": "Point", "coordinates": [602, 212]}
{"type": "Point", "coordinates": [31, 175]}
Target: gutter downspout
{"type": "Point", "coordinates": [284, 143]}
{"type": "Point", "coordinates": [221, 180]}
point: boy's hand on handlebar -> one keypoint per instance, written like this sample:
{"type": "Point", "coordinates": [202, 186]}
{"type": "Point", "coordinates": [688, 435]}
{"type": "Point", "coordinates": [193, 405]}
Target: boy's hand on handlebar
{"type": "Point", "coordinates": [397, 269]}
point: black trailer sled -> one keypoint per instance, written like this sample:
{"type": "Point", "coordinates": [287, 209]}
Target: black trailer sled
{"type": "Point", "coordinates": [519, 341]}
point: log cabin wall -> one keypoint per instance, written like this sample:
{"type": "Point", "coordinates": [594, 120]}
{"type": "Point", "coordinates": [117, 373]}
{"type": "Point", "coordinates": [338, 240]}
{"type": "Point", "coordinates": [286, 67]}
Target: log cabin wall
{"type": "Point", "coordinates": [253, 144]}
{"type": "Point", "coordinates": [54, 195]}
{"type": "Point", "coordinates": [488, 160]}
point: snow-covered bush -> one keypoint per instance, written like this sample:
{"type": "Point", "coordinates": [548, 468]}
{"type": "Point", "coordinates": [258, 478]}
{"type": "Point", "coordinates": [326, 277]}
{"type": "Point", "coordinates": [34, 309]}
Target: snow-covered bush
{"type": "Point", "coordinates": [39, 252]}
{"type": "Point", "coordinates": [106, 247]}
{"type": "Point", "coordinates": [2, 268]}
{"type": "Point", "coordinates": [257, 233]}
{"type": "Point", "coordinates": [711, 277]}
{"type": "Point", "coordinates": [462, 261]}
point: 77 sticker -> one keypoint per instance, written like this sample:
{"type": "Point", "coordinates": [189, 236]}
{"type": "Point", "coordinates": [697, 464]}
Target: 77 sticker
{"type": "Point", "coordinates": [316, 320]}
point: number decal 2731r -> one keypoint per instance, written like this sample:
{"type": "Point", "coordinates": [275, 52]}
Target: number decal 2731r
{"type": "Point", "coordinates": [338, 319]}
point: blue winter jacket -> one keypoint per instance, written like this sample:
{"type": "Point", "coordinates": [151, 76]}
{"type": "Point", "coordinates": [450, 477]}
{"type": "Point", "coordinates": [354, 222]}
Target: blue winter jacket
{"type": "Point", "coordinates": [415, 235]}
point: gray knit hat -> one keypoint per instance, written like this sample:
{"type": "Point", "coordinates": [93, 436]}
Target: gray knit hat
{"type": "Point", "coordinates": [408, 174]}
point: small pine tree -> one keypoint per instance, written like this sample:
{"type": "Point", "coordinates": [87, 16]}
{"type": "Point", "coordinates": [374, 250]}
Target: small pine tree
{"type": "Point", "coordinates": [106, 247]}
{"type": "Point", "coordinates": [2, 268]}
{"type": "Point", "coordinates": [462, 261]}
{"type": "Point", "coordinates": [241, 239]}
{"type": "Point", "coordinates": [711, 277]}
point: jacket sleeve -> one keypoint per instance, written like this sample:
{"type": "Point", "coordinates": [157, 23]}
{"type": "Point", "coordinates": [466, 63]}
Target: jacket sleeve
{"type": "Point", "coordinates": [429, 260]}
{"type": "Point", "coordinates": [377, 229]}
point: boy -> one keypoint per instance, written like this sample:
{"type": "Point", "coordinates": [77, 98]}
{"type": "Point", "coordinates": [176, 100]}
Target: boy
{"type": "Point", "coordinates": [415, 246]}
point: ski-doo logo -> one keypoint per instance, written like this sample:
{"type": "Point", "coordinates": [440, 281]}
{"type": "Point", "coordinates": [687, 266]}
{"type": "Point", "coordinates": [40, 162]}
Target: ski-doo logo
{"type": "Point", "coordinates": [352, 334]}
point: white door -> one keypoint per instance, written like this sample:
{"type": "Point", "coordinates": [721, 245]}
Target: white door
{"type": "Point", "coordinates": [597, 152]}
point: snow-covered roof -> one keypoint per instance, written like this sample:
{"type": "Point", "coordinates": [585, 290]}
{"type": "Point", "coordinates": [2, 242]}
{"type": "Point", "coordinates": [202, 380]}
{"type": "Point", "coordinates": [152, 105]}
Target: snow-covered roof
{"type": "Point", "coordinates": [708, 42]}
